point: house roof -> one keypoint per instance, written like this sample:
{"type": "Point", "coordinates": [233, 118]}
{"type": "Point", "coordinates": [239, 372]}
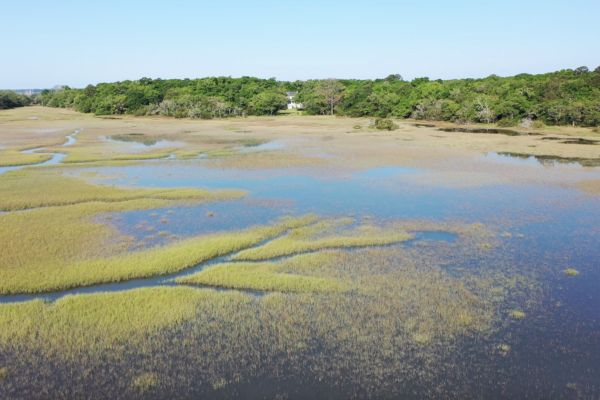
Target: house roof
{"type": "Point", "coordinates": [292, 94]}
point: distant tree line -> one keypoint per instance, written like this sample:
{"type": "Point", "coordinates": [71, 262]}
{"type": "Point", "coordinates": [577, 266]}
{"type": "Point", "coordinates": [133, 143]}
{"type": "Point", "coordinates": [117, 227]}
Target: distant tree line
{"type": "Point", "coordinates": [10, 99]}
{"type": "Point", "coordinates": [567, 97]}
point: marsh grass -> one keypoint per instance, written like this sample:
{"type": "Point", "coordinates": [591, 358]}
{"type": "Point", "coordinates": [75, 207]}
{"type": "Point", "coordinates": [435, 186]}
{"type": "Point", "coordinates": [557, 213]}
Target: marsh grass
{"type": "Point", "coordinates": [72, 251]}
{"type": "Point", "coordinates": [87, 152]}
{"type": "Point", "coordinates": [404, 315]}
{"type": "Point", "coordinates": [98, 321]}
{"type": "Point", "coordinates": [25, 189]}
{"type": "Point", "coordinates": [325, 235]}
{"type": "Point", "coordinates": [145, 381]}
{"type": "Point", "coordinates": [13, 158]}
{"type": "Point", "coordinates": [571, 272]}
{"type": "Point", "coordinates": [271, 159]}
{"type": "Point", "coordinates": [282, 276]}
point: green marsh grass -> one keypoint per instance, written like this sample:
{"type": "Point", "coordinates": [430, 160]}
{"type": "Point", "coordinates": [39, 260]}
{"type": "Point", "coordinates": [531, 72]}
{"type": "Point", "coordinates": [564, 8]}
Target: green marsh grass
{"type": "Point", "coordinates": [72, 251]}
{"type": "Point", "coordinates": [13, 158]}
{"type": "Point", "coordinates": [83, 152]}
{"type": "Point", "coordinates": [325, 235]}
{"type": "Point", "coordinates": [571, 272]}
{"type": "Point", "coordinates": [404, 321]}
{"type": "Point", "coordinates": [279, 276]}
{"type": "Point", "coordinates": [25, 189]}
{"type": "Point", "coordinates": [145, 381]}
{"type": "Point", "coordinates": [99, 321]}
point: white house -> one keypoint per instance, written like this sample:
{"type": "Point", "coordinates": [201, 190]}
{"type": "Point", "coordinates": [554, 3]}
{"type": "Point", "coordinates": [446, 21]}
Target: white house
{"type": "Point", "coordinates": [291, 103]}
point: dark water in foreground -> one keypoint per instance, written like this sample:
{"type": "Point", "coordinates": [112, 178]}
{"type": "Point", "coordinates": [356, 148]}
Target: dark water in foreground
{"type": "Point", "coordinates": [555, 353]}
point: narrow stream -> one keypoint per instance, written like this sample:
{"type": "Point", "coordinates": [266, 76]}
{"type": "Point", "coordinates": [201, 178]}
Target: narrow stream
{"type": "Point", "coordinates": [56, 157]}
{"type": "Point", "coordinates": [167, 280]}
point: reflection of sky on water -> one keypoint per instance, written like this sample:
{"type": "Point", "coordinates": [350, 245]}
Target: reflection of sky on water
{"type": "Point", "coordinates": [561, 229]}
{"type": "Point", "coordinates": [134, 146]}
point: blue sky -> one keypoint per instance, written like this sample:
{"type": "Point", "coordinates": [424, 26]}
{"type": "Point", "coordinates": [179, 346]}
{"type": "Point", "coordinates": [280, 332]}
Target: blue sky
{"type": "Point", "coordinates": [79, 42]}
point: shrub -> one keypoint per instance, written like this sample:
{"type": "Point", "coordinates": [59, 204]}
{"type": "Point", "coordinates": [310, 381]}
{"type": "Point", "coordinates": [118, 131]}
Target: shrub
{"type": "Point", "coordinates": [537, 124]}
{"type": "Point", "coordinates": [380, 123]}
{"type": "Point", "coordinates": [507, 123]}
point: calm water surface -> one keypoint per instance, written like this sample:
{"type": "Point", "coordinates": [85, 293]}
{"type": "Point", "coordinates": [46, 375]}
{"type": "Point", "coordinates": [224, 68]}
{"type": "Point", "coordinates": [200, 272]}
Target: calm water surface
{"type": "Point", "coordinates": [556, 354]}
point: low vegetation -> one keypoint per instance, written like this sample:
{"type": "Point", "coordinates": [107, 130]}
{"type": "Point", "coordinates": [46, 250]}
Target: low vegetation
{"type": "Point", "coordinates": [571, 272]}
{"type": "Point", "coordinates": [71, 250]}
{"type": "Point", "coordinates": [11, 157]}
{"type": "Point", "coordinates": [324, 235]}
{"type": "Point", "coordinates": [25, 189]}
{"type": "Point", "coordinates": [282, 276]}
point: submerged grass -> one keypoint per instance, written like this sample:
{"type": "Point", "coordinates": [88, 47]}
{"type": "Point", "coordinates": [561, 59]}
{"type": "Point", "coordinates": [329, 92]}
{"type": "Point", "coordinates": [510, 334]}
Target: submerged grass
{"type": "Point", "coordinates": [98, 321]}
{"type": "Point", "coordinates": [25, 189]}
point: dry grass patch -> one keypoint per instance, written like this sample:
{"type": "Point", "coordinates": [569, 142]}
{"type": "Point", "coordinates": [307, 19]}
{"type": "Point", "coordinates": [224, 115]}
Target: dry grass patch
{"type": "Point", "coordinates": [273, 159]}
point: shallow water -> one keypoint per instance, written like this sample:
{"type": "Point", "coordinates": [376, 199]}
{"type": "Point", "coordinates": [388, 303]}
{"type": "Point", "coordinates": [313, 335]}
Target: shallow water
{"type": "Point", "coordinates": [141, 143]}
{"type": "Point", "coordinates": [56, 157]}
{"type": "Point", "coordinates": [507, 132]}
{"type": "Point", "coordinates": [555, 346]}
{"type": "Point", "coordinates": [546, 161]}
{"type": "Point", "coordinates": [419, 237]}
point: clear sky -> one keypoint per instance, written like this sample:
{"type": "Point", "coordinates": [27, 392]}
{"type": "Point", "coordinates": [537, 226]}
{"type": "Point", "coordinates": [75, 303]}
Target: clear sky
{"type": "Point", "coordinates": [80, 42]}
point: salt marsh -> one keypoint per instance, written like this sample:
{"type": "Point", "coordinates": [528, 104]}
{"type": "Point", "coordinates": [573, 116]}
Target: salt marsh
{"type": "Point", "coordinates": [314, 263]}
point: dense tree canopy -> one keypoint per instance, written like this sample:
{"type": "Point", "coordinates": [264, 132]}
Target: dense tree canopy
{"type": "Point", "coordinates": [558, 98]}
{"type": "Point", "coordinates": [10, 99]}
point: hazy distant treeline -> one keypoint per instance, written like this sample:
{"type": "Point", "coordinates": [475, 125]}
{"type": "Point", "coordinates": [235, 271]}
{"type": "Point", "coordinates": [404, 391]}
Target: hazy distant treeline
{"type": "Point", "coordinates": [559, 98]}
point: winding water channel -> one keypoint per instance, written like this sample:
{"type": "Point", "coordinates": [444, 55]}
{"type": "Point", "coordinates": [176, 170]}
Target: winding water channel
{"type": "Point", "coordinates": [56, 157]}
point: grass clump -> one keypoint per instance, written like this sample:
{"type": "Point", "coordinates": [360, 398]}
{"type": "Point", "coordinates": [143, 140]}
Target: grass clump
{"type": "Point", "coordinates": [88, 152]}
{"type": "Point", "coordinates": [30, 189]}
{"type": "Point", "coordinates": [4, 373]}
{"type": "Point", "coordinates": [324, 235]}
{"type": "Point", "coordinates": [145, 381]}
{"type": "Point", "coordinates": [267, 276]}
{"type": "Point", "coordinates": [218, 153]}
{"type": "Point", "coordinates": [571, 272]}
{"type": "Point", "coordinates": [517, 314]}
